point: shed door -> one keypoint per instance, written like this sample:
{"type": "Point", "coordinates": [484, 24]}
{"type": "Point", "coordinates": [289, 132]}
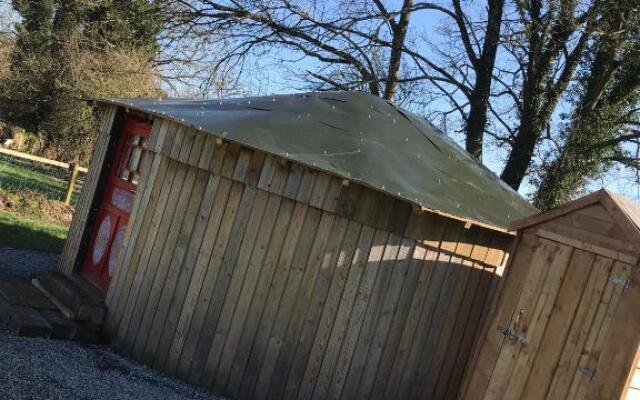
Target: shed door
{"type": "Point", "coordinates": [558, 342]}
{"type": "Point", "coordinates": [116, 203]}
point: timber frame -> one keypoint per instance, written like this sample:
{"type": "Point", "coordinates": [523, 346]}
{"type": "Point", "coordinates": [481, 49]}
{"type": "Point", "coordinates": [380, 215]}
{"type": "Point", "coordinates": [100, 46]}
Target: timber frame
{"type": "Point", "coordinates": [85, 213]}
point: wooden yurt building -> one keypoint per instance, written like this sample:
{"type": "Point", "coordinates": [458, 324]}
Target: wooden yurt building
{"type": "Point", "coordinates": [325, 245]}
{"type": "Point", "coordinates": [566, 324]}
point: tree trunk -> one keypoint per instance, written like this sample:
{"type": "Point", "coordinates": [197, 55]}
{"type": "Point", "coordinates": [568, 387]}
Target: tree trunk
{"type": "Point", "coordinates": [397, 45]}
{"type": "Point", "coordinates": [483, 67]}
{"type": "Point", "coordinates": [608, 90]}
{"type": "Point", "coordinates": [521, 154]}
{"type": "Point", "coordinates": [563, 177]}
{"type": "Point", "coordinates": [476, 124]}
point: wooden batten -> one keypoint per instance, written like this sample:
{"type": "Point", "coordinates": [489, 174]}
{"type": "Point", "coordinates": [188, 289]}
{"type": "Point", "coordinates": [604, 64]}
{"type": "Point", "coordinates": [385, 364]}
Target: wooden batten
{"type": "Point", "coordinates": [260, 277]}
{"type": "Point", "coordinates": [77, 231]}
{"type": "Point", "coordinates": [591, 228]}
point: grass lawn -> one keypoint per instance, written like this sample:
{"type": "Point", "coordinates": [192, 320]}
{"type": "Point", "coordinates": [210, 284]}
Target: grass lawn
{"type": "Point", "coordinates": [30, 217]}
{"type": "Point", "coordinates": [19, 232]}
{"type": "Point", "coordinates": [19, 175]}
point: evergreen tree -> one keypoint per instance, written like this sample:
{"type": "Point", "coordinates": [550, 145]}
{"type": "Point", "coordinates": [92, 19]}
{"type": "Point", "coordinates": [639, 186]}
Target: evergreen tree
{"type": "Point", "coordinates": [69, 50]}
{"type": "Point", "coordinates": [605, 114]}
{"type": "Point", "coordinates": [26, 98]}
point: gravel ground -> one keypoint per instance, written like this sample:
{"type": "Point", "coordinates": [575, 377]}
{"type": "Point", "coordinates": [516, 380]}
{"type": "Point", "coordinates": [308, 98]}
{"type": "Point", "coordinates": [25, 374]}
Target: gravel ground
{"type": "Point", "coordinates": [37, 369]}
{"type": "Point", "coordinates": [24, 264]}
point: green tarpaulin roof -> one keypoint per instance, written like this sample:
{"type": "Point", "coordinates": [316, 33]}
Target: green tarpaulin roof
{"type": "Point", "coordinates": [360, 137]}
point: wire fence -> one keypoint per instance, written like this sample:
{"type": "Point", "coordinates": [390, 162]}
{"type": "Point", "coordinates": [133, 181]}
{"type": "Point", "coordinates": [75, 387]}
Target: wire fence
{"type": "Point", "coordinates": [56, 180]}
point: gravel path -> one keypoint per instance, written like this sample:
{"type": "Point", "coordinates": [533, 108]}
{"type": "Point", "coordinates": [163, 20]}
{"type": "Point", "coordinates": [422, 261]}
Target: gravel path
{"type": "Point", "coordinates": [37, 369]}
{"type": "Point", "coordinates": [24, 264]}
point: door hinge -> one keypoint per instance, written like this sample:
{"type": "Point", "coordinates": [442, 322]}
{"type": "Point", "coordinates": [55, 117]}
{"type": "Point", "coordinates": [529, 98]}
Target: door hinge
{"type": "Point", "coordinates": [513, 335]}
{"type": "Point", "coordinates": [624, 282]}
{"type": "Point", "coordinates": [588, 372]}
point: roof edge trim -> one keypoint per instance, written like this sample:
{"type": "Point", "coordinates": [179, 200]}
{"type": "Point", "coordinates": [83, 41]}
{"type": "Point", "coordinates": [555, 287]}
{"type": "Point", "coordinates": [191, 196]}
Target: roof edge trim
{"type": "Point", "coordinates": [567, 208]}
{"type": "Point", "coordinates": [603, 196]}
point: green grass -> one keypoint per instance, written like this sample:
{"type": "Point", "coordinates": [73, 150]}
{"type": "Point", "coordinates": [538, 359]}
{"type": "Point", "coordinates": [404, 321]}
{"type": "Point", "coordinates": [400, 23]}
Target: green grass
{"type": "Point", "coordinates": [19, 175]}
{"type": "Point", "coordinates": [29, 226]}
{"type": "Point", "coordinates": [19, 232]}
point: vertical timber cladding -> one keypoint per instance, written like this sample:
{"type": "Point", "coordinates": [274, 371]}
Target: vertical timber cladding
{"type": "Point", "coordinates": [565, 324]}
{"type": "Point", "coordinates": [262, 278]}
{"type": "Point", "coordinates": [76, 235]}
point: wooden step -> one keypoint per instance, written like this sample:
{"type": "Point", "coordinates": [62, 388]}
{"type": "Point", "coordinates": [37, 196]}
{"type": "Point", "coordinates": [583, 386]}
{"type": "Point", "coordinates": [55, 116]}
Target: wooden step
{"type": "Point", "coordinates": [26, 311]}
{"type": "Point", "coordinates": [24, 321]}
{"type": "Point", "coordinates": [65, 329]}
{"type": "Point", "coordinates": [61, 327]}
{"type": "Point", "coordinates": [25, 295]}
{"type": "Point", "coordinates": [89, 333]}
{"type": "Point", "coordinates": [77, 299]}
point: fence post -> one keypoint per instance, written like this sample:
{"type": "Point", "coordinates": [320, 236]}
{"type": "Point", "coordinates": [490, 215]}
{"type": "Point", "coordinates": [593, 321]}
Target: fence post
{"type": "Point", "coordinates": [73, 167]}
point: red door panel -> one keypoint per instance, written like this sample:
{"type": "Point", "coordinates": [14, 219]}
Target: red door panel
{"type": "Point", "coordinates": [116, 203]}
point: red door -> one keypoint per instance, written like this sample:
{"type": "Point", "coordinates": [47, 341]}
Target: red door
{"type": "Point", "coordinates": [117, 201]}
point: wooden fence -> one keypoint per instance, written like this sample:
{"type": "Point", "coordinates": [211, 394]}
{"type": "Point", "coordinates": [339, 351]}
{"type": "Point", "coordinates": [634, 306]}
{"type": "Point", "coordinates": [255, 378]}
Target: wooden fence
{"type": "Point", "coordinates": [73, 168]}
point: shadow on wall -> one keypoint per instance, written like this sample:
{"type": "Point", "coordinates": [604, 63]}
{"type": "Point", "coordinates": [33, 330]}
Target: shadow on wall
{"type": "Point", "coordinates": [401, 325]}
{"type": "Point", "coordinates": [417, 336]}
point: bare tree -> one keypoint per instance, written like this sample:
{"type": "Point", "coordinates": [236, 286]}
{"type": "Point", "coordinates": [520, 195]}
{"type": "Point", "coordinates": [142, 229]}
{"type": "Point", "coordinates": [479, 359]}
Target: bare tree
{"type": "Point", "coordinates": [6, 35]}
{"type": "Point", "coordinates": [362, 45]}
{"type": "Point", "coordinates": [545, 41]}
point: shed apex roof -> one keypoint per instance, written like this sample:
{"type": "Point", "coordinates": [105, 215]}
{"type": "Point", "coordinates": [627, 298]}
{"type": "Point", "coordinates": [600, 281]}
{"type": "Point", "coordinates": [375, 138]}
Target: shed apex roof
{"type": "Point", "coordinates": [359, 137]}
{"type": "Point", "coordinates": [623, 211]}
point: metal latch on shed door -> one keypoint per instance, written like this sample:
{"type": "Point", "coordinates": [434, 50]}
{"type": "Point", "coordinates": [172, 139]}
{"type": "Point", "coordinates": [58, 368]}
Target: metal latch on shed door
{"type": "Point", "coordinates": [513, 335]}
{"type": "Point", "coordinates": [588, 372]}
{"type": "Point", "coordinates": [626, 283]}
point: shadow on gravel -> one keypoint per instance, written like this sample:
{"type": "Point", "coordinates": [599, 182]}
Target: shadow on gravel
{"type": "Point", "coordinates": [106, 363]}
{"type": "Point", "coordinates": [25, 264]}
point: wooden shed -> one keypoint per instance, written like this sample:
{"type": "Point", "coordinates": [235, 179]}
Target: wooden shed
{"type": "Point", "coordinates": [323, 245]}
{"type": "Point", "coordinates": [566, 324]}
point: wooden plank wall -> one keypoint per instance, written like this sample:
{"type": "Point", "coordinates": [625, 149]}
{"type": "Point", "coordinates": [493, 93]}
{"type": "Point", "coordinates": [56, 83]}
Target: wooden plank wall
{"type": "Point", "coordinates": [262, 278]}
{"type": "Point", "coordinates": [76, 232]}
{"type": "Point", "coordinates": [565, 302]}
{"type": "Point", "coordinates": [592, 229]}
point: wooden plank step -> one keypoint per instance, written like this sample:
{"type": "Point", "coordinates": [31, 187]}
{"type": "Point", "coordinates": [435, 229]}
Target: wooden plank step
{"type": "Point", "coordinates": [65, 329]}
{"type": "Point", "coordinates": [24, 321]}
{"type": "Point", "coordinates": [23, 294]}
{"type": "Point", "coordinates": [28, 312]}
{"type": "Point", "coordinates": [62, 328]}
{"type": "Point", "coordinates": [73, 297]}
{"type": "Point", "coordinates": [91, 292]}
